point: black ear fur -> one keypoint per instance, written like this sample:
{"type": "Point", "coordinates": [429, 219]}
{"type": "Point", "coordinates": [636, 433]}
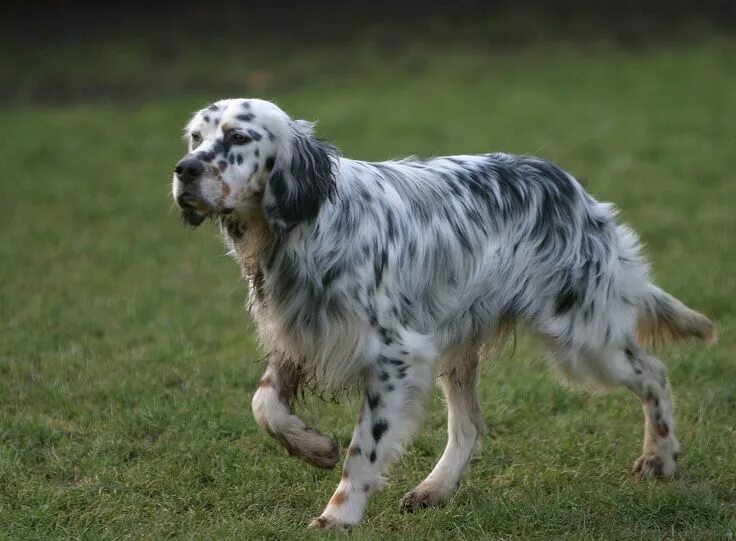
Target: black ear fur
{"type": "Point", "coordinates": [300, 184]}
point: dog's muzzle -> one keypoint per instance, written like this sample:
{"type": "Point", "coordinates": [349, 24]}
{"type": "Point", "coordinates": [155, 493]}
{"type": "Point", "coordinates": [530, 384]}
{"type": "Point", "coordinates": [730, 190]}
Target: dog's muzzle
{"type": "Point", "coordinates": [188, 171]}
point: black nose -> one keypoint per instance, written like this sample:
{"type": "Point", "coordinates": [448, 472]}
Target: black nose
{"type": "Point", "coordinates": [189, 170]}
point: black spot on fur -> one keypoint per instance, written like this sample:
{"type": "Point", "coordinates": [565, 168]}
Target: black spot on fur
{"type": "Point", "coordinates": [383, 376]}
{"type": "Point", "coordinates": [390, 227]}
{"type": "Point", "coordinates": [218, 147]}
{"type": "Point", "coordinates": [239, 159]}
{"type": "Point", "coordinates": [379, 265]}
{"type": "Point", "coordinates": [246, 117]}
{"type": "Point", "coordinates": [254, 134]}
{"type": "Point", "coordinates": [567, 298]}
{"type": "Point", "coordinates": [269, 163]}
{"type": "Point", "coordinates": [206, 118]}
{"type": "Point", "coordinates": [331, 274]}
{"type": "Point", "coordinates": [270, 134]}
{"type": "Point", "coordinates": [385, 337]}
{"type": "Point", "coordinates": [213, 107]}
{"type": "Point", "coordinates": [372, 458]}
{"type": "Point", "coordinates": [373, 400]}
{"type": "Point", "coordinates": [222, 164]}
{"type": "Point", "coordinates": [379, 429]}
{"type": "Point", "coordinates": [231, 159]}
{"type": "Point", "coordinates": [204, 156]}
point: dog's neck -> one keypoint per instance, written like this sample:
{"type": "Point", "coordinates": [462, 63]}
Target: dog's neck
{"type": "Point", "coordinates": [252, 239]}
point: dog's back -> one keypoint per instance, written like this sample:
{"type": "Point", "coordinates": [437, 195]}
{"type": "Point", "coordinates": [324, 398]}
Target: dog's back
{"type": "Point", "coordinates": [464, 242]}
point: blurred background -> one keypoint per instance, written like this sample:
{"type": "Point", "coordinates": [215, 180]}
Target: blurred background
{"type": "Point", "coordinates": [68, 52]}
{"type": "Point", "coordinates": [127, 362]}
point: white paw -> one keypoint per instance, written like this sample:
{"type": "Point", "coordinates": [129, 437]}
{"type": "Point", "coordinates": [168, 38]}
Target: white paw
{"type": "Point", "coordinates": [420, 499]}
{"type": "Point", "coordinates": [324, 523]}
{"type": "Point", "coordinates": [653, 466]}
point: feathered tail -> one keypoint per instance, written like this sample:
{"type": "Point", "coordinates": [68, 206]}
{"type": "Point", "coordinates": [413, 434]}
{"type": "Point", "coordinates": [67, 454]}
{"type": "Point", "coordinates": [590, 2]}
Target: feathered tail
{"type": "Point", "coordinates": [663, 318]}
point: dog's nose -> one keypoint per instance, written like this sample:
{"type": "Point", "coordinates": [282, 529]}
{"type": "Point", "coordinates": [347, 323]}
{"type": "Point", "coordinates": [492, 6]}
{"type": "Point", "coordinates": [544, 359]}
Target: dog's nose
{"type": "Point", "coordinates": [189, 170]}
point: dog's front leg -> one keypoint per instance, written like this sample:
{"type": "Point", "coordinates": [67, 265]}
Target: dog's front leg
{"type": "Point", "coordinates": [395, 396]}
{"type": "Point", "coordinates": [272, 409]}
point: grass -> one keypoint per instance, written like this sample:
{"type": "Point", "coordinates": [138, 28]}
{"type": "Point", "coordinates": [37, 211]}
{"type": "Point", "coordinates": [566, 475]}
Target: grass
{"type": "Point", "coordinates": [127, 362]}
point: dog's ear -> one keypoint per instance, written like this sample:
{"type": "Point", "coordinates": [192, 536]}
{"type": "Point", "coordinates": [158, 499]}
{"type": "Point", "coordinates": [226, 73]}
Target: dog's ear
{"type": "Point", "coordinates": [302, 179]}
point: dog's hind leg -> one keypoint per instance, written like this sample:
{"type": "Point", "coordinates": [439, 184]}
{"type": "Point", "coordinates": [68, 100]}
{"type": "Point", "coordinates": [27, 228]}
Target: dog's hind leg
{"type": "Point", "coordinates": [627, 364]}
{"type": "Point", "coordinates": [396, 389]}
{"type": "Point", "coordinates": [272, 410]}
{"type": "Point", "coordinates": [651, 384]}
{"type": "Point", "coordinates": [458, 380]}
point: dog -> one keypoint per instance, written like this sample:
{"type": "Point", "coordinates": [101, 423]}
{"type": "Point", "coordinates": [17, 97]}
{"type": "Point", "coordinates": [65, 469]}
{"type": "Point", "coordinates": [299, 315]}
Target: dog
{"type": "Point", "coordinates": [387, 276]}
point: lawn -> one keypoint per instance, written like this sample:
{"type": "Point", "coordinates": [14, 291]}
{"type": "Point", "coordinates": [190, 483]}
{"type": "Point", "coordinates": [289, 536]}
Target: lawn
{"type": "Point", "coordinates": [127, 362]}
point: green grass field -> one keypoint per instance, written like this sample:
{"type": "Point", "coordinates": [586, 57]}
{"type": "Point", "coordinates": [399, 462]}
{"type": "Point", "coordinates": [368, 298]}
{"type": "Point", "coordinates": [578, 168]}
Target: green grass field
{"type": "Point", "coordinates": [127, 362]}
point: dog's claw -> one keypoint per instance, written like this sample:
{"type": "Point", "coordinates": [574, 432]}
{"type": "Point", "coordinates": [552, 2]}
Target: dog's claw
{"type": "Point", "coordinates": [653, 466]}
{"type": "Point", "coordinates": [324, 524]}
{"type": "Point", "coordinates": [418, 499]}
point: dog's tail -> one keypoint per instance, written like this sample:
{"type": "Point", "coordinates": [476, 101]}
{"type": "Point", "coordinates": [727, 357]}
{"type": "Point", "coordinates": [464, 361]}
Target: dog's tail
{"type": "Point", "coordinates": [663, 318]}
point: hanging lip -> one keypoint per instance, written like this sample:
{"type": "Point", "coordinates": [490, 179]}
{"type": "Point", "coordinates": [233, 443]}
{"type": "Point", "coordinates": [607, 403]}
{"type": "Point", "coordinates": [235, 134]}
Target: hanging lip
{"type": "Point", "coordinates": [193, 212]}
{"type": "Point", "coordinates": [188, 200]}
{"type": "Point", "coordinates": [191, 217]}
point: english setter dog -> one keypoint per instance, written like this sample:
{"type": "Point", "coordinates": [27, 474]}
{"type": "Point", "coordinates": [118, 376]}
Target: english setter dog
{"type": "Point", "coordinates": [385, 276]}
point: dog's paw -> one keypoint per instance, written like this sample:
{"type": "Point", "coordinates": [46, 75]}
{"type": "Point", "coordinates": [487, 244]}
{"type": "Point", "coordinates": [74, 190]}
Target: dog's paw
{"type": "Point", "coordinates": [419, 499]}
{"type": "Point", "coordinates": [324, 452]}
{"type": "Point", "coordinates": [654, 466]}
{"type": "Point", "coordinates": [312, 447]}
{"type": "Point", "coordinates": [325, 524]}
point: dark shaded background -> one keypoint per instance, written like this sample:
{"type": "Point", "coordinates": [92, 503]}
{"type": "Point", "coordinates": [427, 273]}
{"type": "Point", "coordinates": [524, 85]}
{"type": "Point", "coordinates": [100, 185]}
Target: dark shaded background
{"type": "Point", "coordinates": [62, 52]}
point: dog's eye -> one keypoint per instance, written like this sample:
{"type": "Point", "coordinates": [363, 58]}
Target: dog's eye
{"type": "Point", "coordinates": [239, 139]}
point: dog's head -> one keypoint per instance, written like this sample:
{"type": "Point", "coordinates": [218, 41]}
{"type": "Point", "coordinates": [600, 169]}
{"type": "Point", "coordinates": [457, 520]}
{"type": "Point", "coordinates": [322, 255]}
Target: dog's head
{"type": "Point", "coordinates": [247, 157]}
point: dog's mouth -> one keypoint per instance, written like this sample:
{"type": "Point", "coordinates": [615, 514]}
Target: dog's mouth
{"type": "Point", "coordinates": [193, 212]}
{"type": "Point", "coordinates": [192, 217]}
